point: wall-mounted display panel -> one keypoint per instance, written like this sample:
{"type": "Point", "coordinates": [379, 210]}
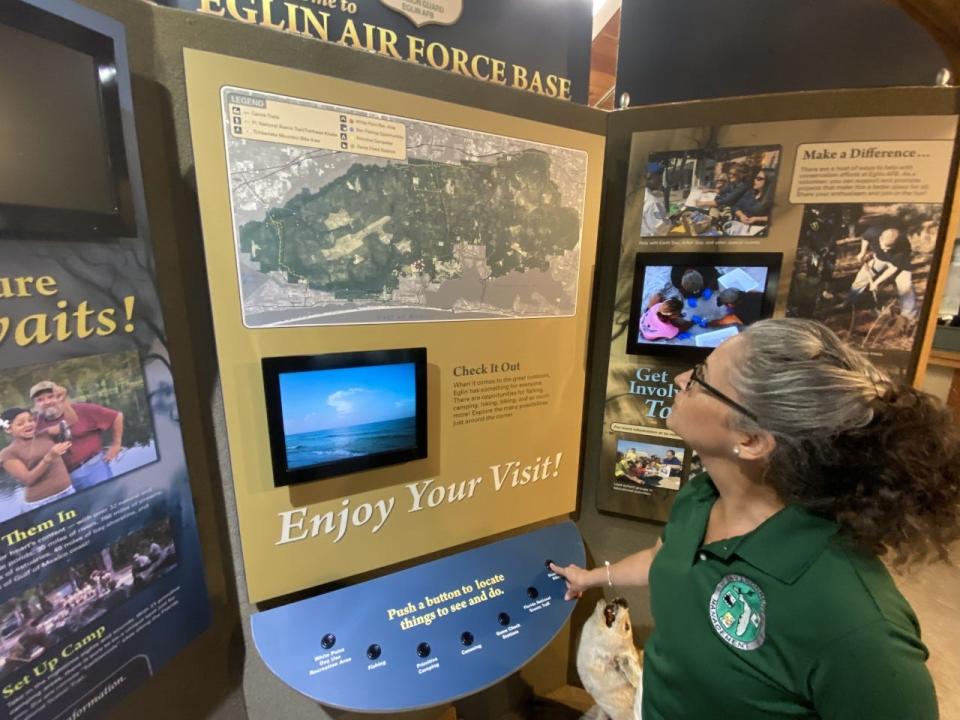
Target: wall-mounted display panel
{"type": "Point", "coordinates": [836, 219]}
{"type": "Point", "coordinates": [344, 218]}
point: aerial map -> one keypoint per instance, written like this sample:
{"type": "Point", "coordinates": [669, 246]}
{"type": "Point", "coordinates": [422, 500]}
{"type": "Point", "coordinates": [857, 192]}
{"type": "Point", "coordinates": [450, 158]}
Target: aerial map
{"type": "Point", "coordinates": [344, 216]}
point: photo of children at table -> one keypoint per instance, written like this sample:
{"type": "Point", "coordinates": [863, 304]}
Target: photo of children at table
{"type": "Point", "coordinates": [700, 305]}
{"type": "Point", "coordinates": [647, 464]}
{"type": "Point", "coordinates": [721, 192]}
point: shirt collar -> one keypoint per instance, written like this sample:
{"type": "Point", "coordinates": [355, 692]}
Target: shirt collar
{"type": "Point", "coordinates": [783, 546]}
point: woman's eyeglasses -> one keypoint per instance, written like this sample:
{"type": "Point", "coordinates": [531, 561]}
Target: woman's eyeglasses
{"type": "Point", "coordinates": [696, 376]}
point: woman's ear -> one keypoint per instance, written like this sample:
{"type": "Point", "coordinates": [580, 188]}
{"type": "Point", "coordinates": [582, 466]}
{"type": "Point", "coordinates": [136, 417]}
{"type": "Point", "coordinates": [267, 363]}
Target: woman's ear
{"type": "Point", "coordinates": [755, 446]}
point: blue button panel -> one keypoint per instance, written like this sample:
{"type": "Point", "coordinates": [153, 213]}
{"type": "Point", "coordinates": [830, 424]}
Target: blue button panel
{"type": "Point", "coordinates": [428, 634]}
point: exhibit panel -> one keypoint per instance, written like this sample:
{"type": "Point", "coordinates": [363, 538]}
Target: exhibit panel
{"type": "Point", "coordinates": [101, 581]}
{"type": "Point", "coordinates": [347, 220]}
{"type": "Point", "coordinates": [836, 219]}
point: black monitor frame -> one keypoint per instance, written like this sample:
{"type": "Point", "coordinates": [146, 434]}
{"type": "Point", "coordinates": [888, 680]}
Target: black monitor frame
{"type": "Point", "coordinates": [273, 367]}
{"type": "Point", "coordinates": [107, 47]}
{"type": "Point", "coordinates": [769, 260]}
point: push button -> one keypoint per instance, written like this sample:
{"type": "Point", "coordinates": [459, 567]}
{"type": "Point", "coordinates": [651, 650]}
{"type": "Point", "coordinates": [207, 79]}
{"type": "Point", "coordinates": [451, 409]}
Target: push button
{"type": "Point", "coordinates": [423, 650]}
{"type": "Point", "coordinates": [533, 593]}
{"type": "Point", "coordinates": [466, 639]}
{"type": "Point", "coordinates": [328, 641]}
{"type": "Point", "coordinates": [373, 652]}
{"type": "Point", "coordinates": [503, 619]}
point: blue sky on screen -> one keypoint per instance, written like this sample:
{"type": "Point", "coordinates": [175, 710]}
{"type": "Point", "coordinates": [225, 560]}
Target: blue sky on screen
{"type": "Point", "coordinates": [323, 399]}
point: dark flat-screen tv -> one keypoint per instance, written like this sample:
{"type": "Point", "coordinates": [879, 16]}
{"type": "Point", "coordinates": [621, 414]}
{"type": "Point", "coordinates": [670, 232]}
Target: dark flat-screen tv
{"type": "Point", "coordinates": [63, 80]}
{"type": "Point", "coordinates": [686, 304]}
{"type": "Point", "coordinates": [341, 413]}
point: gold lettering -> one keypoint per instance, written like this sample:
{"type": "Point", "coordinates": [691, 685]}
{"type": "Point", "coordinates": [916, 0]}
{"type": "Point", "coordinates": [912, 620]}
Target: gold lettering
{"type": "Point", "coordinates": [415, 46]}
{"type": "Point", "coordinates": [207, 6]}
{"type": "Point", "coordinates": [475, 69]}
{"type": "Point", "coordinates": [499, 72]}
{"type": "Point", "coordinates": [520, 77]}
{"type": "Point", "coordinates": [267, 16]}
{"type": "Point", "coordinates": [564, 88]}
{"type": "Point", "coordinates": [350, 33]}
{"type": "Point", "coordinates": [536, 84]}
{"type": "Point", "coordinates": [460, 58]}
{"type": "Point", "coordinates": [432, 60]}
{"type": "Point", "coordinates": [388, 43]}
{"type": "Point", "coordinates": [248, 16]}
{"type": "Point", "coordinates": [552, 85]}
{"type": "Point", "coordinates": [368, 31]}
{"type": "Point", "coordinates": [318, 23]}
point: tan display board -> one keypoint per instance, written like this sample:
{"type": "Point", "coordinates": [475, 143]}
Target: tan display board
{"type": "Point", "coordinates": [338, 218]}
{"type": "Point", "coordinates": [839, 220]}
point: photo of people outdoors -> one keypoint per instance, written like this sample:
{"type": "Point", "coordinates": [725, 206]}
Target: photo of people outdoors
{"type": "Point", "coordinates": [42, 617]}
{"type": "Point", "coordinates": [70, 425]}
{"type": "Point", "coordinates": [699, 300]}
{"type": "Point", "coordinates": [648, 464]}
{"type": "Point", "coordinates": [862, 270]}
{"type": "Point", "coordinates": [719, 193]}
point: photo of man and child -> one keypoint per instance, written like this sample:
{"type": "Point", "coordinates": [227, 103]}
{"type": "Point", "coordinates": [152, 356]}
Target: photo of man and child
{"type": "Point", "coordinates": [70, 425]}
{"type": "Point", "coordinates": [68, 600]}
{"type": "Point", "coordinates": [698, 300]}
{"type": "Point", "coordinates": [862, 270]}
{"type": "Point", "coordinates": [648, 464]}
{"type": "Point", "coordinates": [703, 193]}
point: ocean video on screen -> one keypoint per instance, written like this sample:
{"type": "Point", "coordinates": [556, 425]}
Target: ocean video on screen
{"type": "Point", "coordinates": [343, 413]}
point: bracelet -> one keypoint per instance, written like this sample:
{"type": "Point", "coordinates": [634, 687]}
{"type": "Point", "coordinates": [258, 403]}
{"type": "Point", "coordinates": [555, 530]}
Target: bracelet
{"type": "Point", "coordinates": [609, 578]}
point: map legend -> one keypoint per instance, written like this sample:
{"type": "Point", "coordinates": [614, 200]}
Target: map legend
{"type": "Point", "coordinates": [288, 123]}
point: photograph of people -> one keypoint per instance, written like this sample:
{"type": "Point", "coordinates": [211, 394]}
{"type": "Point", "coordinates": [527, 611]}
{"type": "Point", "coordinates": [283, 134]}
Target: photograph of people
{"type": "Point", "coordinates": [91, 411]}
{"type": "Point", "coordinates": [767, 587]}
{"type": "Point", "coordinates": [647, 464]}
{"type": "Point", "coordinates": [67, 600]}
{"type": "Point", "coordinates": [34, 459]}
{"type": "Point", "coordinates": [84, 423]}
{"type": "Point", "coordinates": [709, 193]}
{"type": "Point", "coordinates": [655, 220]}
{"type": "Point", "coordinates": [697, 305]}
{"type": "Point", "coordinates": [862, 270]}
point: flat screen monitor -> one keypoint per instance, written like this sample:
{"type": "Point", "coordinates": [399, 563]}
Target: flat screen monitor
{"type": "Point", "coordinates": [342, 413]}
{"type": "Point", "coordinates": [686, 304]}
{"type": "Point", "coordinates": [62, 153]}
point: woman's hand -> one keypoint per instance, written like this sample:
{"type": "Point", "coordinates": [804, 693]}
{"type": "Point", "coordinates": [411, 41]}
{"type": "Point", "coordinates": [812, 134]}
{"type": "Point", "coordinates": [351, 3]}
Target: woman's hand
{"type": "Point", "coordinates": [577, 580]}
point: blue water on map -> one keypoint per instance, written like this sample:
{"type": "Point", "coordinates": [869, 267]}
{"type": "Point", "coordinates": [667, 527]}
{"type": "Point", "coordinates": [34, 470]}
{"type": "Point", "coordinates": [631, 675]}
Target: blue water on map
{"type": "Point", "coordinates": [324, 446]}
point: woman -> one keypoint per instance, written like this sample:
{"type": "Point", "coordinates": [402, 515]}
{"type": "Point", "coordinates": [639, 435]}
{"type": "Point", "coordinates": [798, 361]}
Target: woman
{"type": "Point", "coordinates": [768, 597]}
{"type": "Point", "coordinates": [34, 461]}
{"type": "Point", "coordinates": [753, 207]}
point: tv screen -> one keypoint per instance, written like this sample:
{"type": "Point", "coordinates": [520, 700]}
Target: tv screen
{"type": "Point", "coordinates": [686, 304]}
{"type": "Point", "coordinates": [61, 139]}
{"type": "Point", "coordinates": [345, 412]}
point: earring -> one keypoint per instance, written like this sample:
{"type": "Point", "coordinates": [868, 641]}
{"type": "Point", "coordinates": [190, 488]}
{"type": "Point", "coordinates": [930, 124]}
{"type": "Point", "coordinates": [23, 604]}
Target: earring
{"type": "Point", "coordinates": [736, 451]}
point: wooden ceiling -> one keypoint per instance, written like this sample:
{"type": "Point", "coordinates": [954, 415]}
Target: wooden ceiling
{"type": "Point", "coordinates": [603, 64]}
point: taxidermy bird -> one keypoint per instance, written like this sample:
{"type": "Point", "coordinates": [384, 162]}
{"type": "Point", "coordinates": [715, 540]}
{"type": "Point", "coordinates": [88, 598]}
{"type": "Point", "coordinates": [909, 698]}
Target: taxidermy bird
{"type": "Point", "coordinates": [608, 662]}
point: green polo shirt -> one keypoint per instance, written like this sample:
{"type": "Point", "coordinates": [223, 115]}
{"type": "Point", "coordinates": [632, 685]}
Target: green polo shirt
{"type": "Point", "coordinates": [787, 621]}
